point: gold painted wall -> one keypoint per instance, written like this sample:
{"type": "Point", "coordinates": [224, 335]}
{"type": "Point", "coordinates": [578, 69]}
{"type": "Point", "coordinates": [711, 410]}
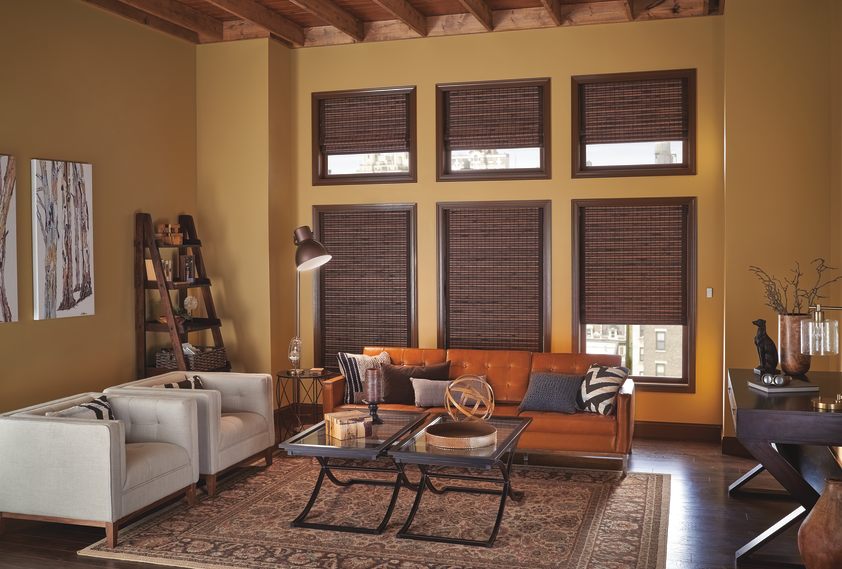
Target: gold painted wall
{"type": "Point", "coordinates": [558, 54]}
{"type": "Point", "coordinates": [782, 185]}
{"type": "Point", "coordinates": [80, 84]}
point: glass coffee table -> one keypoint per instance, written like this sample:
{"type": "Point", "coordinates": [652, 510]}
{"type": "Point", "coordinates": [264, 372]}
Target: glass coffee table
{"type": "Point", "coordinates": [313, 442]}
{"type": "Point", "coordinates": [417, 451]}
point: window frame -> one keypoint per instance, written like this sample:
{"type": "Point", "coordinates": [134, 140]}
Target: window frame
{"type": "Point", "coordinates": [320, 176]}
{"type": "Point", "coordinates": [443, 158]}
{"type": "Point", "coordinates": [412, 279]}
{"type": "Point", "coordinates": [687, 382]}
{"type": "Point", "coordinates": [687, 167]}
{"type": "Point", "coordinates": [546, 270]}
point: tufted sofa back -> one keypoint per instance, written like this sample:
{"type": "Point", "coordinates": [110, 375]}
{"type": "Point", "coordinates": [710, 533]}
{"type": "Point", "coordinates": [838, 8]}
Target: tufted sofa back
{"type": "Point", "coordinates": [573, 364]}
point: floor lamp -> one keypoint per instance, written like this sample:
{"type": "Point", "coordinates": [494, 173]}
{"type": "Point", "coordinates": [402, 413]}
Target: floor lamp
{"type": "Point", "coordinates": [309, 254]}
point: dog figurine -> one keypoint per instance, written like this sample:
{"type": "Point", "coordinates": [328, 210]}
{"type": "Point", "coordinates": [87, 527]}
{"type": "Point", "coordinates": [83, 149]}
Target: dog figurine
{"type": "Point", "coordinates": [766, 350]}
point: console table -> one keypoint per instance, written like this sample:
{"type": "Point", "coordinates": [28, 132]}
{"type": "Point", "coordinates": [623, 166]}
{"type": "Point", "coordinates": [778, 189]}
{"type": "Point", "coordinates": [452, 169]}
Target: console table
{"type": "Point", "coordinates": [790, 439]}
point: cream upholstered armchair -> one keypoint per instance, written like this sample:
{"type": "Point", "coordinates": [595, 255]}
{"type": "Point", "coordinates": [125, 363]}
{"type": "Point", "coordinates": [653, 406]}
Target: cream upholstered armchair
{"type": "Point", "coordinates": [88, 471]}
{"type": "Point", "coordinates": [236, 418]}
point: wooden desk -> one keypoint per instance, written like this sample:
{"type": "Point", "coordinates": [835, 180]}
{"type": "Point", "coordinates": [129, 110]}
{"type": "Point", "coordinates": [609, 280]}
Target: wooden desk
{"type": "Point", "coordinates": [790, 439]}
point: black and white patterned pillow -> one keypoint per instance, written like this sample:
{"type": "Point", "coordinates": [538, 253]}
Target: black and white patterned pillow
{"type": "Point", "coordinates": [600, 388]}
{"type": "Point", "coordinates": [353, 367]}
{"type": "Point", "coordinates": [98, 408]}
{"type": "Point", "coordinates": [190, 383]}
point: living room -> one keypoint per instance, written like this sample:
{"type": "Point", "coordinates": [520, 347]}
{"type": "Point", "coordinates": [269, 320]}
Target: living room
{"type": "Point", "coordinates": [222, 131]}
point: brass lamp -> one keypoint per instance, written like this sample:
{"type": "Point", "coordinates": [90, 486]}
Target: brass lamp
{"type": "Point", "coordinates": [309, 255]}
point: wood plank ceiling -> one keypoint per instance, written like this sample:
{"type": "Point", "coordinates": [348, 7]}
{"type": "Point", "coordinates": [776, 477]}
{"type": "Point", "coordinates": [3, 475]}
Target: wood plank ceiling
{"type": "Point", "coordinates": [309, 23]}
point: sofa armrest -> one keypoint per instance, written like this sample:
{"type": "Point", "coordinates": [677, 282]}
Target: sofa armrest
{"type": "Point", "coordinates": [625, 417]}
{"type": "Point", "coordinates": [61, 467]}
{"type": "Point", "coordinates": [333, 393]}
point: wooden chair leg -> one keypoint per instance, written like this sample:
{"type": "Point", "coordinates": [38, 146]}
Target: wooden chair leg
{"type": "Point", "coordinates": [111, 534]}
{"type": "Point", "coordinates": [268, 455]}
{"type": "Point", "coordinates": [191, 495]}
{"type": "Point", "coordinates": [210, 484]}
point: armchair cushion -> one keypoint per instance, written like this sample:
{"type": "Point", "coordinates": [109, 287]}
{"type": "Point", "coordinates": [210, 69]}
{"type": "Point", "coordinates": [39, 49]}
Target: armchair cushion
{"type": "Point", "coordinates": [96, 408]}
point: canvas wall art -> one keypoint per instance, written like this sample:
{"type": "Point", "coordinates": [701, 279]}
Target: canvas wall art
{"type": "Point", "coordinates": [62, 237]}
{"type": "Point", "coordinates": [8, 241]}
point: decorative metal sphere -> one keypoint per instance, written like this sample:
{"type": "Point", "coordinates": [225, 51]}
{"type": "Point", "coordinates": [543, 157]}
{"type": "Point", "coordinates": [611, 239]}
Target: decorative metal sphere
{"type": "Point", "coordinates": [469, 398]}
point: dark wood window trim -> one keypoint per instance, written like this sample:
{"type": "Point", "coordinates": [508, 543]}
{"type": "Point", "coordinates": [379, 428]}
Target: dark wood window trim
{"type": "Point", "coordinates": [320, 175]}
{"type": "Point", "coordinates": [443, 171]}
{"type": "Point", "coordinates": [688, 164]}
{"type": "Point", "coordinates": [545, 230]}
{"type": "Point", "coordinates": [410, 209]}
{"type": "Point", "coordinates": [687, 383]}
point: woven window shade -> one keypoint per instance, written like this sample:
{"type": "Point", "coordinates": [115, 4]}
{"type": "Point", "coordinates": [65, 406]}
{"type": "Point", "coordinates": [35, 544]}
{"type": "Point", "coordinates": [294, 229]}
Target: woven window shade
{"type": "Point", "coordinates": [649, 110]}
{"type": "Point", "coordinates": [633, 264]}
{"type": "Point", "coordinates": [482, 119]}
{"type": "Point", "coordinates": [365, 288]}
{"type": "Point", "coordinates": [493, 281]}
{"type": "Point", "coordinates": [364, 125]}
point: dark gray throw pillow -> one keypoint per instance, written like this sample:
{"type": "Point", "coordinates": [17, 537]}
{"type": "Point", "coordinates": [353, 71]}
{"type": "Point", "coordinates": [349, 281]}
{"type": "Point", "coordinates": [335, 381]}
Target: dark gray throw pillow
{"type": "Point", "coordinates": [397, 384]}
{"type": "Point", "coordinates": [555, 392]}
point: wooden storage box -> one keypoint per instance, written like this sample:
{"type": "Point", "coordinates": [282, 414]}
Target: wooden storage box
{"type": "Point", "coordinates": [348, 425]}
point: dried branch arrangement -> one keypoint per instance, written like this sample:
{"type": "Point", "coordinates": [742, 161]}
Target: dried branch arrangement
{"type": "Point", "coordinates": [778, 291]}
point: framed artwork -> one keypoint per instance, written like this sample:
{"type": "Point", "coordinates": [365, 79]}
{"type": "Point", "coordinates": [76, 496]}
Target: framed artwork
{"type": "Point", "coordinates": [8, 241]}
{"type": "Point", "coordinates": [62, 238]}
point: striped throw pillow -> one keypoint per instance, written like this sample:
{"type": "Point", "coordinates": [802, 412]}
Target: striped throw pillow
{"type": "Point", "coordinates": [190, 383]}
{"type": "Point", "coordinates": [98, 408]}
{"type": "Point", "coordinates": [600, 388]}
{"type": "Point", "coordinates": [353, 367]}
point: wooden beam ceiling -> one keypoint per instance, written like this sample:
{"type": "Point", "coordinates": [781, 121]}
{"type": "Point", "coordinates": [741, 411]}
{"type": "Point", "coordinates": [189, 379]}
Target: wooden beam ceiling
{"type": "Point", "coordinates": [310, 23]}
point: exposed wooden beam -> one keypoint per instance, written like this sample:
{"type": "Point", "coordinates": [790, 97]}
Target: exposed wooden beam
{"type": "Point", "coordinates": [594, 13]}
{"type": "Point", "coordinates": [208, 28]}
{"type": "Point", "coordinates": [406, 13]}
{"type": "Point", "coordinates": [235, 30]}
{"type": "Point", "coordinates": [670, 9]}
{"type": "Point", "coordinates": [334, 15]}
{"type": "Point", "coordinates": [629, 6]}
{"type": "Point", "coordinates": [554, 9]}
{"type": "Point", "coordinates": [480, 10]}
{"type": "Point", "coordinates": [263, 17]}
{"type": "Point", "coordinates": [141, 17]}
{"type": "Point", "coordinates": [721, 7]}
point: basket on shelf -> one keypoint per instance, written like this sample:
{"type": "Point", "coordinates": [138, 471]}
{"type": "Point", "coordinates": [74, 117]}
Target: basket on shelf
{"type": "Point", "coordinates": [209, 359]}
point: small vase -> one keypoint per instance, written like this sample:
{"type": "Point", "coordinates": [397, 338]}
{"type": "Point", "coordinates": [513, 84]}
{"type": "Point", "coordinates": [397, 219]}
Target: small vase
{"type": "Point", "coordinates": [820, 535]}
{"type": "Point", "coordinates": [792, 361]}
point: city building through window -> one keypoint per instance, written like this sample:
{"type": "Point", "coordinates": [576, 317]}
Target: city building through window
{"type": "Point", "coordinates": [493, 130]}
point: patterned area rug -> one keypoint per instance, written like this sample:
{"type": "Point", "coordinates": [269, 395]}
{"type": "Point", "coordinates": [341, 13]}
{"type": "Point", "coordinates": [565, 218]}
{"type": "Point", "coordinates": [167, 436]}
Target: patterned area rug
{"type": "Point", "coordinates": [568, 519]}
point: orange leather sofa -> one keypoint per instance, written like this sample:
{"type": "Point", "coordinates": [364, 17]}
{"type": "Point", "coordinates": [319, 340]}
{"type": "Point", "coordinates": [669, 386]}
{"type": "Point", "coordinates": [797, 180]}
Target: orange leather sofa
{"type": "Point", "coordinates": [582, 433]}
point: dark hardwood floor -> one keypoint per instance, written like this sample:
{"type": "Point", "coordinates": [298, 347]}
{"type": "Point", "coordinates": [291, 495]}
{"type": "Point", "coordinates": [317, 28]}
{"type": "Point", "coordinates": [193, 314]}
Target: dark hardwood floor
{"type": "Point", "coordinates": [706, 525]}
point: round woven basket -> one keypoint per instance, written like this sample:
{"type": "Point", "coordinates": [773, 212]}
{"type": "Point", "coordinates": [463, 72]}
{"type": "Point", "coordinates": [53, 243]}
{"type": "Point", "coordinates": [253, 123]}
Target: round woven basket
{"type": "Point", "coordinates": [468, 434]}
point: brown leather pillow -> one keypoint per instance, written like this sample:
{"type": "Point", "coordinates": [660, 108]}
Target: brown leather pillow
{"type": "Point", "coordinates": [397, 387]}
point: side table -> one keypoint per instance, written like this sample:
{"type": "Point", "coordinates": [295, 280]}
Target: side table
{"type": "Point", "coordinates": [299, 397]}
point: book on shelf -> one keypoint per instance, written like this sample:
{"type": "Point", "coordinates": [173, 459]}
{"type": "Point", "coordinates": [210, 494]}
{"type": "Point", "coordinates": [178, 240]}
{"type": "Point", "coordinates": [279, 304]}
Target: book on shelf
{"type": "Point", "coordinates": [345, 425]}
{"type": "Point", "coordinates": [794, 386]}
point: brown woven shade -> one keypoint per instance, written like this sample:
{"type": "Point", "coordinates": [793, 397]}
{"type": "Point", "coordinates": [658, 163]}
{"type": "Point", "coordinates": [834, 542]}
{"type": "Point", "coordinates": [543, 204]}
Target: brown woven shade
{"type": "Point", "coordinates": [364, 125]}
{"type": "Point", "coordinates": [648, 110]}
{"type": "Point", "coordinates": [494, 286]}
{"type": "Point", "coordinates": [633, 264]}
{"type": "Point", "coordinates": [492, 118]}
{"type": "Point", "coordinates": [366, 289]}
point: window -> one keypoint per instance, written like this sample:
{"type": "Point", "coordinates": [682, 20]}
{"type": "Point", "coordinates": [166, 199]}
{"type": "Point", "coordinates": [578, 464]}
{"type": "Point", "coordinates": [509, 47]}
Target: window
{"type": "Point", "coordinates": [634, 263]}
{"type": "Point", "coordinates": [660, 369]}
{"type": "Point", "coordinates": [364, 137]}
{"type": "Point", "coordinates": [660, 340]}
{"type": "Point", "coordinates": [366, 294]}
{"type": "Point", "coordinates": [634, 124]}
{"type": "Point", "coordinates": [493, 130]}
{"type": "Point", "coordinates": [494, 275]}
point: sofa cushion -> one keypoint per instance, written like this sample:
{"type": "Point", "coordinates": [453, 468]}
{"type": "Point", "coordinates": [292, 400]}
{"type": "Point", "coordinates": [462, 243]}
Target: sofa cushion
{"type": "Point", "coordinates": [190, 383]}
{"type": "Point", "coordinates": [552, 392]}
{"type": "Point", "coordinates": [353, 367]}
{"type": "Point", "coordinates": [429, 392]}
{"type": "Point", "coordinates": [98, 408]}
{"type": "Point", "coordinates": [397, 387]}
{"type": "Point", "coordinates": [599, 390]}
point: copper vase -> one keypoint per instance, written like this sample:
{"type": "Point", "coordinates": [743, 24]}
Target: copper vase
{"type": "Point", "coordinates": [792, 361]}
{"type": "Point", "coordinates": [820, 535]}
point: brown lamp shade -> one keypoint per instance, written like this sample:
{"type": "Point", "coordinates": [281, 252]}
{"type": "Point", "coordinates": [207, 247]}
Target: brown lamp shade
{"type": "Point", "coordinates": [310, 253]}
